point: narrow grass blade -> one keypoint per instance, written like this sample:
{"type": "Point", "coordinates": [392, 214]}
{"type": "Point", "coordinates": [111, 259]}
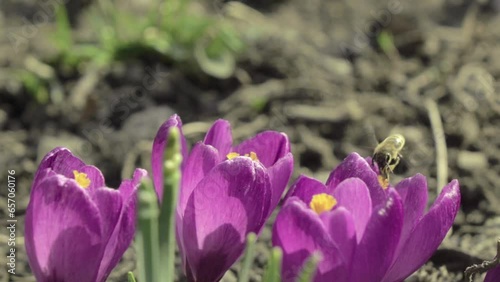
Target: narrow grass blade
{"type": "Point", "coordinates": [63, 36]}
{"type": "Point", "coordinates": [273, 269]}
{"type": "Point", "coordinates": [172, 176]}
{"type": "Point", "coordinates": [248, 258]}
{"type": "Point", "coordinates": [309, 268]}
{"type": "Point", "coordinates": [146, 238]}
{"type": "Point", "coordinates": [130, 277]}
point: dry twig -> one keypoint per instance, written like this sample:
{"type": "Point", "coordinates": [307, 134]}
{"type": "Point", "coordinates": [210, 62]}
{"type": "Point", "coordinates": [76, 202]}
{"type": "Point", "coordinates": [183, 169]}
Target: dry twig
{"type": "Point", "coordinates": [439, 140]}
{"type": "Point", "coordinates": [484, 266]}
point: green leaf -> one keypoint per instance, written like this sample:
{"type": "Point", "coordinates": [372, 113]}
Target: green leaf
{"type": "Point", "coordinates": [130, 277]}
{"type": "Point", "coordinates": [191, 29]}
{"type": "Point", "coordinates": [259, 103]}
{"type": "Point", "coordinates": [35, 85]}
{"type": "Point", "coordinates": [386, 42]}
{"type": "Point", "coordinates": [171, 179]}
{"type": "Point", "coordinates": [221, 67]}
{"type": "Point", "coordinates": [273, 269]}
{"type": "Point", "coordinates": [231, 39]}
{"type": "Point", "coordinates": [309, 268]}
{"type": "Point", "coordinates": [248, 258]}
{"type": "Point", "coordinates": [146, 238]}
{"type": "Point", "coordinates": [62, 37]}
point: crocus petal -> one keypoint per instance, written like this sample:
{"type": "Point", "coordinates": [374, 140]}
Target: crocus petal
{"type": "Point", "coordinates": [220, 137]}
{"type": "Point", "coordinates": [124, 228]}
{"type": "Point", "coordinates": [355, 166]}
{"type": "Point", "coordinates": [299, 232]}
{"type": "Point", "coordinates": [109, 203]}
{"type": "Point", "coordinates": [280, 174]}
{"type": "Point", "coordinates": [305, 188]}
{"type": "Point", "coordinates": [413, 193]}
{"type": "Point", "coordinates": [493, 275]}
{"type": "Point", "coordinates": [269, 146]}
{"type": "Point", "coordinates": [94, 175]}
{"type": "Point", "coordinates": [128, 187]}
{"type": "Point", "coordinates": [63, 232]}
{"type": "Point", "coordinates": [62, 161]}
{"type": "Point", "coordinates": [427, 234]}
{"type": "Point", "coordinates": [373, 255]}
{"type": "Point", "coordinates": [353, 195]}
{"type": "Point", "coordinates": [159, 145]}
{"type": "Point", "coordinates": [202, 159]}
{"type": "Point", "coordinates": [55, 158]}
{"type": "Point", "coordinates": [340, 226]}
{"type": "Point", "coordinates": [232, 200]}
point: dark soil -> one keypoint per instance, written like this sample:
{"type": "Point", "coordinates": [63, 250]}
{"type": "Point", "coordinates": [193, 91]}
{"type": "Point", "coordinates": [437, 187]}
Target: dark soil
{"type": "Point", "coordinates": [316, 72]}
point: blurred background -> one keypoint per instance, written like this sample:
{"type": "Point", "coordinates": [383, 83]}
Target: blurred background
{"type": "Point", "coordinates": [100, 76]}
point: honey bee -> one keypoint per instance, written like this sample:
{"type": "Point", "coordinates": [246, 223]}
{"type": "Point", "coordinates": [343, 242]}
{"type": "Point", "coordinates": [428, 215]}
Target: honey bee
{"type": "Point", "coordinates": [387, 156]}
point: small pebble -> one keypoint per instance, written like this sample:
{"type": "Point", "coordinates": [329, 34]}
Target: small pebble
{"type": "Point", "coordinates": [468, 160]}
{"type": "Point", "coordinates": [470, 128]}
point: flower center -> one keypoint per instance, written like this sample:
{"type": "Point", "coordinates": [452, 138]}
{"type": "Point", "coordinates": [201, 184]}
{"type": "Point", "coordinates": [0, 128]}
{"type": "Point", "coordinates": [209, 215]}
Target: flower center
{"type": "Point", "coordinates": [81, 178]}
{"type": "Point", "coordinates": [233, 155]}
{"type": "Point", "coordinates": [322, 202]}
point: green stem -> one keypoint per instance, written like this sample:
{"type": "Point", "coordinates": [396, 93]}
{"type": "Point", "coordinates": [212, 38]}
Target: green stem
{"type": "Point", "coordinates": [172, 176]}
{"type": "Point", "coordinates": [146, 239]}
{"type": "Point", "coordinates": [248, 258]}
{"type": "Point", "coordinates": [309, 268]}
{"type": "Point", "coordinates": [273, 270]}
{"type": "Point", "coordinates": [63, 33]}
{"type": "Point", "coordinates": [130, 277]}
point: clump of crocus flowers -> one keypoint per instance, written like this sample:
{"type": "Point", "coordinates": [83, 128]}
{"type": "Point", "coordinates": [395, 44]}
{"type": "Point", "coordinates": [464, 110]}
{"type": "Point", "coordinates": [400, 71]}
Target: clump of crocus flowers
{"type": "Point", "coordinates": [363, 232]}
{"type": "Point", "coordinates": [77, 229]}
{"type": "Point", "coordinates": [226, 192]}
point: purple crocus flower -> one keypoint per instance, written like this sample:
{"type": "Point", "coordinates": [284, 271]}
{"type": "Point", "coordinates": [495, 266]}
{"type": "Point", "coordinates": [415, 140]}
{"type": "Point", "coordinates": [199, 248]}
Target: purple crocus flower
{"type": "Point", "coordinates": [77, 229]}
{"type": "Point", "coordinates": [226, 192]}
{"type": "Point", "coordinates": [364, 232]}
{"type": "Point", "coordinates": [493, 275]}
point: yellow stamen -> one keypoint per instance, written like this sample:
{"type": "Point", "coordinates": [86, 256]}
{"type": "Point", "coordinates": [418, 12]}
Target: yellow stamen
{"type": "Point", "coordinates": [322, 202]}
{"type": "Point", "coordinates": [384, 182]}
{"type": "Point", "coordinates": [81, 178]}
{"type": "Point", "coordinates": [233, 155]}
{"type": "Point", "coordinates": [253, 156]}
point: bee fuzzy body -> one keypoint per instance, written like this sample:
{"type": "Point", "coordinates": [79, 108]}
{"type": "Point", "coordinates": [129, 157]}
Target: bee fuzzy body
{"type": "Point", "coordinates": [387, 155]}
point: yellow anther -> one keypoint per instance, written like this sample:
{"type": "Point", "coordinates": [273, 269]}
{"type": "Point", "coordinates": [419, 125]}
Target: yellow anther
{"type": "Point", "coordinates": [253, 156]}
{"type": "Point", "coordinates": [232, 155]}
{"type": "Point", "coordinates": [322, 202]}
{"type": "Point", "coordinates": [81, 178]}
{"type": "Point", "coordinates": [384, 182]}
